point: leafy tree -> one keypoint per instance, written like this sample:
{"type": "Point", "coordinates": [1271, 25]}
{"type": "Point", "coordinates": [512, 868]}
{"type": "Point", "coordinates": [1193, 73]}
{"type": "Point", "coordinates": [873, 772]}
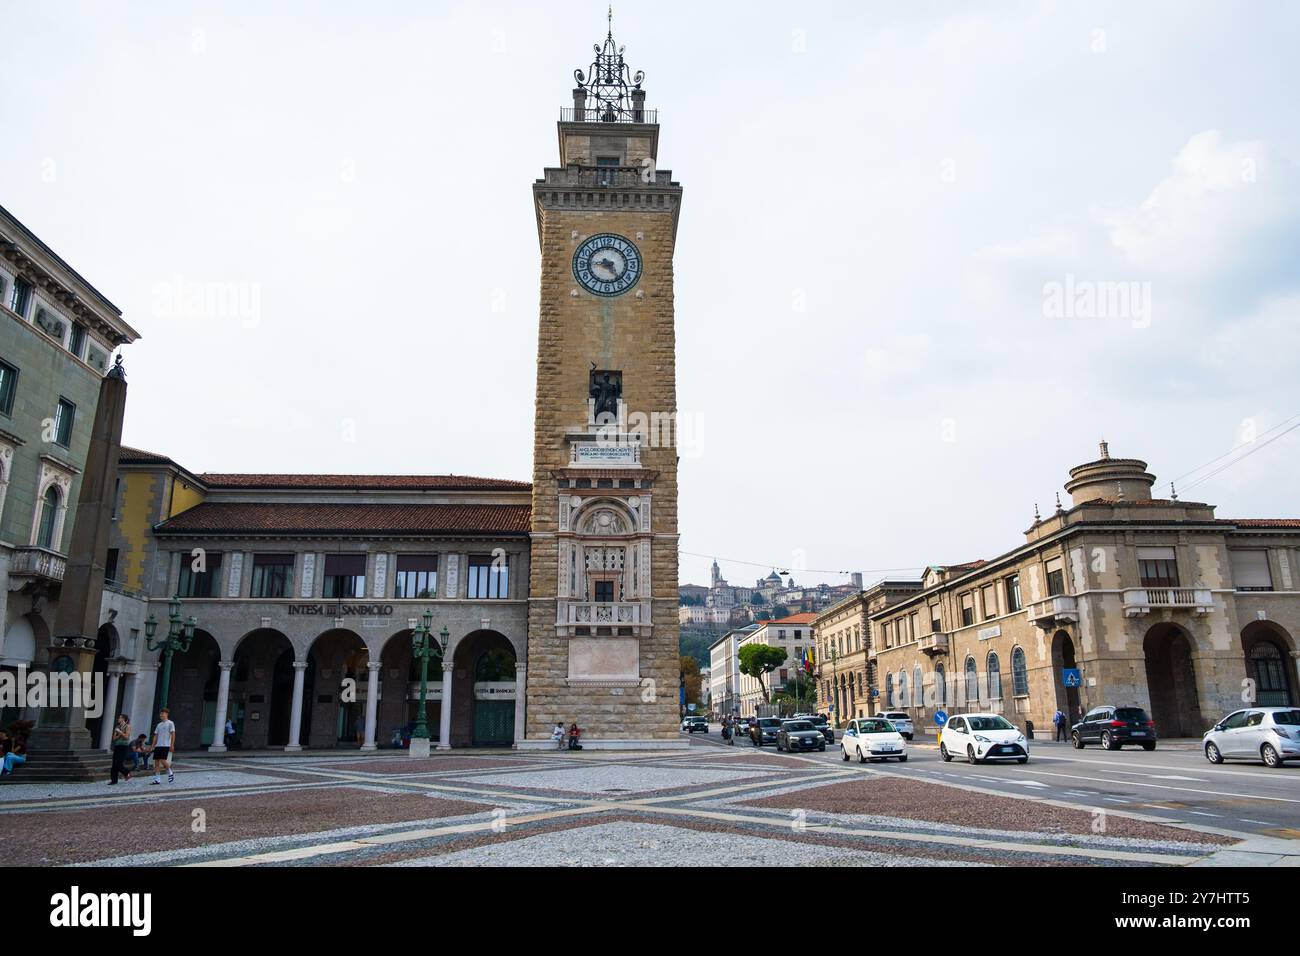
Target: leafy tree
{"type": "Point", "coordinates": [690, 669]}
{"type": "Point", "coordinates": [757, 599]}
{"type": "Point", "coordinates": [759, 660]}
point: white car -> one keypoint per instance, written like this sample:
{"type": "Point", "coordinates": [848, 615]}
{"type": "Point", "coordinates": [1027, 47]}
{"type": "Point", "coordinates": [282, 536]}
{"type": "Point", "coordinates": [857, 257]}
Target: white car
{"type": "Point", "coordinates": [901, 720]}
{"type": "Point", "coordinates": [983, 737]}
{"type": "Point", "coordinates": [872, 738]}
{"type": "Point", "coordinates": [1270, 734]}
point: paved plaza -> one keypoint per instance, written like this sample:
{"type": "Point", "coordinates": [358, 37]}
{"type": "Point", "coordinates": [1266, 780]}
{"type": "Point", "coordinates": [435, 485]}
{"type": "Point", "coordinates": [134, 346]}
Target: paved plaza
{"type": "Point", "coordinates": [710, 805]}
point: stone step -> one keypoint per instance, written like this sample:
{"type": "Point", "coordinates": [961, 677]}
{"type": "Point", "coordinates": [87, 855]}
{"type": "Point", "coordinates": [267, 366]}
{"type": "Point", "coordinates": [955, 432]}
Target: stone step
{"type": "Point", "coordinates": [61, 766]}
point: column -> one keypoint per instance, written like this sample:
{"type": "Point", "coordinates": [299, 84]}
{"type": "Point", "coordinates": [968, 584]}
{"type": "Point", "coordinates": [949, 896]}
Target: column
{"type": "Point", "coordinates": [444, 711]}
{"type": "Point", "coordinates": [218, 744]}
{"type": "Point", "coordinates": [372, 703]}
{"type": "Point", "coordinates": [521, 683]}
{"type": "Point", "coordinates": [143, 719]}
{"type": "Point", "coordinates": [109, 719]}
{"type": "Point", "coordinates": [131, 687]}
{"type": "Point", "coordinates": [295, 714]}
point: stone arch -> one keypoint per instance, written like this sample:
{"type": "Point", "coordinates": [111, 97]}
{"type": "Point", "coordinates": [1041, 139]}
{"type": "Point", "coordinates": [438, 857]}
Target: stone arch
{"type": "Point", "coordinates": [1270, 657]}
{"type": "Point", "coordinates": [106, 647]}
{"type": "Point", "coordinates": [604, 517]}
{"type": "Point", "coordinates": [260, 696]}
{"type": "Point", "coordinates": [1063, 657]}
{"type": "Point", "coordinates": [482, 700]}
{"type": "Point", "coordinates": [337, 660]}
{"type": "Point", "coordinates": [192, 693]}
{"type": "Point", "coordinates": [1170, 654]}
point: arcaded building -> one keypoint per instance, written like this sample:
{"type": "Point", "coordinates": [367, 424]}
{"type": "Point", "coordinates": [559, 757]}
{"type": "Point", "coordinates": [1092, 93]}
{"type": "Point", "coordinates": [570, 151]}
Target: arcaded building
{"type": "Point", "coordinates": [1119, 598]}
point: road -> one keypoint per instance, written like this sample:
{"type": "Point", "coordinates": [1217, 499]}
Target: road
{"type": "Point", "coordinates": [1174, 784]}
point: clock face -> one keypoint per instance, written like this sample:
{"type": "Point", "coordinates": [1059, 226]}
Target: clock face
{"type": "Point", "coordinates": [607, 264]}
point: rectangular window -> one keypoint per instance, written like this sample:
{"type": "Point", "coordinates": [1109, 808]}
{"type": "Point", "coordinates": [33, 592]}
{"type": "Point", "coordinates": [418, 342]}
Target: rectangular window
{"type": "Point", "coordinates": [63, 419]}
{"type": "Point", "coordinates": [1055, 577]}
{"type": "Point", "coordinates": [417, 576]}
{"type": "Point", "coordinates": [1013, 593]}
{"type": "Point", "coordinates": [110, 565]}
{"type": "Point", "coordinates": [20, 297]}
{"type": "Point", "coordinates": [199, 584]}
{"type": "Point", "coordinates": [8, 387]}
{"type": "Point", "coordinates": [1250, 571]}
{"type": "Point", "coordinates": [989, 598]}
{"type": "Point", "coordinates": [603, 592]}
{"type": "Point", "coordinates": [77, 340]}
{"type": "Point", "coordinates": [488, 578]}
{"type": "Point", "coordinates": [967, 609]}
{"type": "Point", "coordinates": [1157, 567]}
{"type": "Point", "coordinates": [272, 576]}
{"type": "Point", "coordinates": [345, 576]}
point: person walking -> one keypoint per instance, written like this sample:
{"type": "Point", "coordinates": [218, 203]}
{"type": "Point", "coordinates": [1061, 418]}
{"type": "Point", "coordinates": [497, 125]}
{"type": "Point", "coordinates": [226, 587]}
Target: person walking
{"type": "Point", "coordinates": [1059, 721]}
{"type": "Point", "coordinates": [121, 750]}
{"type": "Point", "coordinates": [230, 733]}
{"type": "Point", "coordinates": [163, 736]}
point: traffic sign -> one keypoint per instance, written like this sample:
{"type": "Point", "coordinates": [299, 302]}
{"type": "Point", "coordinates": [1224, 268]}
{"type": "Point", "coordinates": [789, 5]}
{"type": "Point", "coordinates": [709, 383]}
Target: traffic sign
{"type": "Point", "coordinates": [940, 718]}
{"type": "Point", "coordinates": [1071, 677]}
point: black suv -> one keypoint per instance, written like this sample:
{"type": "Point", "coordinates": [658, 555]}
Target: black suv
{"type": "Point", "coordinates": [764, 730]}
{"type": "Point", "coordinates": [821, 723]}
{"type": "Point", "coordinates": [1113, 727]}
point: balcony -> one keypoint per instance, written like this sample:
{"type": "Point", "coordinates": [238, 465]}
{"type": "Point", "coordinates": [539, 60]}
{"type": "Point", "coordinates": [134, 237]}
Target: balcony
{"type": "Point", "coordinates": [933, 644]}
{"type": "Point", "coordinates": [39, 563]}
{"type": "Point", "coordinates": [602, 615]}
{"type": "Point", "coordinates": [1139, 601]}
{"type": "Point", "coordinates": [594, 114]}
{"type": "Point", "coordinates": [1053, 611]}
{"type": "Point", "coordinates": [607, 176]}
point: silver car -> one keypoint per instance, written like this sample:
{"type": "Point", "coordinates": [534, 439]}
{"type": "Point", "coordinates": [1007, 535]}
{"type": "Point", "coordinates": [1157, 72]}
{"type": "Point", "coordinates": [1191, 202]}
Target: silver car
{"type": "Point", "coordinates": [1270, 734]}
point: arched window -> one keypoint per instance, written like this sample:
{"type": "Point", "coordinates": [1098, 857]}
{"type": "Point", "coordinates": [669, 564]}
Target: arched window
{"type": "Point", "coordinates": [889, 691]}
{"type": "Point", "coordinates": [903, 699]}
{"type": "Point", "coordinates": [994, 677]}
{"type": "Point", "coordinates": [972, 682]}
{"type": "Point", "coordinates": [1019, 673]}
{"type": "Point", "coordinates": [1269, 672]}
{"type": "Point", "coordinates": [49, 518]}
{"type": "Point", "coordinates": [918, 682]}
{"type": "Point", "coordinates": [940, 686]}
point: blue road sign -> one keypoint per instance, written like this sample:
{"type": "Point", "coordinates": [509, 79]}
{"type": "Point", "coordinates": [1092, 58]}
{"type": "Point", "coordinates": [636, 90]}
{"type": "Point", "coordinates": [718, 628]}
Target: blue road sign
{"type": "Point", "coordinates": [940, 718]}
{"type": "Point", "coordinates": [1071, 677]}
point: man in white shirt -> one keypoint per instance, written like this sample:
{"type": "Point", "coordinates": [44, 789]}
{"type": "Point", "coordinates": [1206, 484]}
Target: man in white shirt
{"type": "Point", "coordinates": [163, 735]}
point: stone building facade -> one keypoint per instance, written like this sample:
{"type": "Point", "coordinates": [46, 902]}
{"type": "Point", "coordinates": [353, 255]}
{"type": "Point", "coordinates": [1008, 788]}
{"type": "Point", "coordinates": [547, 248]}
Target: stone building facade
{"type": "Point", "coordinates": [846, 673]}
{"type": "Point", "coordinates": [1150, 602]}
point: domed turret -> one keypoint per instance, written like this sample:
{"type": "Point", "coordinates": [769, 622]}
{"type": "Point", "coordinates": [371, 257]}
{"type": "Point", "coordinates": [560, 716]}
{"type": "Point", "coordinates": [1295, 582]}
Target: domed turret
{"type": "Point", "coordinates": [1110, 479]}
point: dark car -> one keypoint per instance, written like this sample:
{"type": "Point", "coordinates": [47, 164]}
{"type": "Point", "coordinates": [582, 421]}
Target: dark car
{"type": "Point", "coordinates": [822, 724]}
{"type": "Point", "coordinates": [1113, 727]}
{"type": "Point", "coordinates": [796, 735]}
{"type": "Point", "coordinates": [695, 725]}
{"type": "Point", "coordinates": [763, 730]}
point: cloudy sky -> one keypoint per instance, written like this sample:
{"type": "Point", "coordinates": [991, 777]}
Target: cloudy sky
{"type": "Point", "coordinates": [929, 254]}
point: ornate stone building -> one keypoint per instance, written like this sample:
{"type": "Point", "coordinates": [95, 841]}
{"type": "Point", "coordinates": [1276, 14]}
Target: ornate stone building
{"type": "Point", "coordinates": [1119, 598]}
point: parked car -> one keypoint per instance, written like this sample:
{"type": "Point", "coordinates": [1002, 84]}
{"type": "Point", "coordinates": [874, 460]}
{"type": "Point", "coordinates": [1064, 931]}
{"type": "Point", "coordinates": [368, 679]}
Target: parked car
{"type": "Point", "coordinates": [796, 735]}
{"type": "Point", "coordinates": [901, 720]}
{"type": "Point", "coordinates": [763, 730]}
{"type": "Point", "coordinates": [872, 738]}
{"type": "Point", "coordinates": [983, 737]}
{"type": "Point", "coordinates": [821, 723]}
{"type": "Point", "coordinates": [1113, 727]}
{"type": "Point", "coordinates": [693, 725]}
{"type": "Point", "coordinates": [1270, 734]}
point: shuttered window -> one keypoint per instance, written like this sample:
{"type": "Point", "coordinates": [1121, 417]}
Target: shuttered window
{"type": "Point", "coordinates": [1250, 571]}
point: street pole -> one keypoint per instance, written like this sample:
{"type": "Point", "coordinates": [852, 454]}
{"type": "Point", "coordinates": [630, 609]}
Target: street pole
{"type": "Point", "coordinates": [180, 634]}
{"type": "Point", "coordinates": [422, 647]}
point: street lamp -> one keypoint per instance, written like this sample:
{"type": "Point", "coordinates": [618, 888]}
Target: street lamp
{"type": "Point", "coordinates": [180, 634]}
{"type": "Point", "coordinates": [835, 688]}
{"type": "Point", "coordinates": [422, 648]}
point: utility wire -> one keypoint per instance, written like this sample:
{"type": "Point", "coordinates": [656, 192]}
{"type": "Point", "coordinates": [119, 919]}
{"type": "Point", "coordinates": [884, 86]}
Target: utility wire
{"type": "Point", "coordinates": [767, 564]}
{"type": "Point", "coordinates": [1258, 446]}
{"type": "Point", "coordinates": [1245, 444]}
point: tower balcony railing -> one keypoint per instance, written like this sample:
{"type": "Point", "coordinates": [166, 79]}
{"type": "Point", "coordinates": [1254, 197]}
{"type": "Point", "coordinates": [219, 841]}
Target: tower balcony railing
{"type": "Point", "coordinates": [607, 176]}
{"type": "Point", "coordinates": [1054, 610]}
{"type": "Point", "coordinates": [594, 114]}
{"type": "Point", "coordinates": [1139, 601]}
{"type": "Point", "coordinates": [34, 562]}
{"type": "Point", "coordinates": [602, 613]}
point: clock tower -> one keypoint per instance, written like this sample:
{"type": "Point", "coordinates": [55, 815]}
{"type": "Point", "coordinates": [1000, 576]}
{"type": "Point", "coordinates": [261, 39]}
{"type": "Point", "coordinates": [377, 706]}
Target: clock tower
{"type": "Point", "coordinates": [602, 617]}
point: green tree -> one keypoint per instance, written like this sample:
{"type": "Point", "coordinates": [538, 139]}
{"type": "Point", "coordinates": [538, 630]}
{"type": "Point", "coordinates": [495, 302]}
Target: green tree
{"type": "Point", "coordinates": [759, 660]}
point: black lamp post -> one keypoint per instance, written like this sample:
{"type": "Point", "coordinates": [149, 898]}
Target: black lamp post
{"type": "Point", "coordinates": [180, 634]}
{"type": "Point", "coordinates": [422, 647]}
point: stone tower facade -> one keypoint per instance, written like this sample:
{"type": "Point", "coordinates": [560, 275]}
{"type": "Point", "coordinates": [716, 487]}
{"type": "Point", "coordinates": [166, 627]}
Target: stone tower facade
{"type": "Point", "coordinates": [602, 621]}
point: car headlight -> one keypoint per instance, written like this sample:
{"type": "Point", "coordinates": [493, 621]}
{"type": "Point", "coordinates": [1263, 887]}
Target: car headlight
{"type": "Point", "coordinates": [983, 740]}
{"type": "Point", "coordinates": [1020, 739]}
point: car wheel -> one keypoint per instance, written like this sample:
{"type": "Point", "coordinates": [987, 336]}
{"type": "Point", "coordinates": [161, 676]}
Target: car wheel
{"type": "Point", "coordinates": [970, 754]}
{"type": "Point", "coordinates": [1148, 747]}
{"type": "Point", "coordinates": [1022, 760]}
{"type": "Point", "coordinates": [1107, 742]}
{"type": "Point", "coordinates": [943, 752]}
{"type": "Point", "coordinates": [1077, 741]}
{"type": "Point", "coordinates": [822, 748]}
{"type": "Point", "coordinates": [844, 753]}
{"type": "Point", "coordinates": [902, 758]}
{"type": "Point", "coordinates": [1270, 756]}
{"type": "Point", "coordinates": [1212, 754]}
{"type": "Point", "coordinates": [862, 758]}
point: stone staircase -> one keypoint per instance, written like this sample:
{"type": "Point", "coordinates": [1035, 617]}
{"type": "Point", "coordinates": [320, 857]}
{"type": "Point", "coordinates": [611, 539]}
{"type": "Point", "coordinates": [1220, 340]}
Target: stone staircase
{"type": "Point", "coordinates": [61, 766]}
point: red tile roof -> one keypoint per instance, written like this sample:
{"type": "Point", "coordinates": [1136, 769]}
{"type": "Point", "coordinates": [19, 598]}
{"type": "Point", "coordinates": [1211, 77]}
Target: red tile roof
{"type": "Point", "coordinates": [256, 518]}
{"type": "Point", "coordinates": [365, 482]}
{"type": "Point", "coordinates": [794, 619]}
{"type": "Point", "coordinates": [1263, 522]}
{"type": "Point", "coordinates": [136, 456]}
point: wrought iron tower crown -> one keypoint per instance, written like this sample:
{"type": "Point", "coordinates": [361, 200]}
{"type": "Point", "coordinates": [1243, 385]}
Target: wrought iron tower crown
{"type": "Point", "coordinates": [609, 92]}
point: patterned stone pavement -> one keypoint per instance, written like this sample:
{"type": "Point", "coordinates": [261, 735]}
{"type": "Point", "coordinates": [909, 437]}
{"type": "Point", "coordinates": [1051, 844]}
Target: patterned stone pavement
{"type": "Point", "coordinates": [698, 807]}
